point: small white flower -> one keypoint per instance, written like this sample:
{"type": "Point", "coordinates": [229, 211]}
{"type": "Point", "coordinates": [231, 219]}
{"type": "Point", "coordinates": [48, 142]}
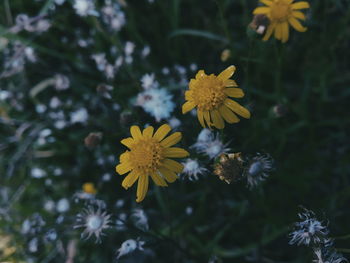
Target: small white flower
{"type": "Point", "coordinates": [129, 246]}
{"type": "Point", "coordinates": [156, 102]}
{"type": "Point", "coordinates": [62, 205]}
{"type": "Point", "coordinates": [61, 82]}
{"type": "Point", "coordinates": [174, 122]}
{"type": "Point", "coordinates": [145, 51]}
{"type": "Point", "coordinates": [120, 222]}
{"type": "Point", "coordinates": [55, 102]}
{"type": "Point", "coordinates": [193, 67]}
{"type": "Point", "coordinates": [309, 231]}
{"type": "Point", "coordinates": [100, 60]}
{"type": "Point", "coordinates": [140, 219]}
{"type": "Point", "coordinates": [148, 81]}
{"type": "Point", "coordinates": [209, 144]}
{"type": "Point", "coordinates": [40, 108]}
{"type": "Point", "coordinates": [38, 173]}
{"type": "Point", "coordinates": [4, 94]}
{"type": "Point", "coordinates": [60, 124]}
{"type": "Point", "coordinates": [79, 116]}
{"type": "Point", "coordinates": [192, 169]}
{"type": "Point", "coordinates": [85, 8]}
{"type": "Point", "coordinates": [94, 219]}
{"type": "Point", "coordinates": [165, 71]}
{"type": "Point", "coordinates": [258, 169]}
{"type": "Point", "coordinates": [129, 48]}
{"type": "Point", "coordinates": [327, 255]}
{"type": "Point", "coordinates": [49, 205]}
{"type": "Point", "coordinates": [33, 245]}
{"type": "Point", "coordinates": [30, 54]}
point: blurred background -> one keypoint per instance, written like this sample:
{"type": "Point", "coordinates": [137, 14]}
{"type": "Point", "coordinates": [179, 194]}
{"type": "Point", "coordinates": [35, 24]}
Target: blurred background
{"type": "Point", "coordinates": [74, 76]}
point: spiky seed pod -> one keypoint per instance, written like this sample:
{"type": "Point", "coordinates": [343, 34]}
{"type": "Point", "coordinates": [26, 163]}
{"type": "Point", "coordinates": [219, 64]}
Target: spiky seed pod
{"type": "Point", "coordinates": [230, 167]}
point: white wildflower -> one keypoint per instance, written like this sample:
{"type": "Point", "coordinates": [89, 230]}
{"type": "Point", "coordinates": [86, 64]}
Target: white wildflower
{"type": "Point", "coordinates": [129, 246]}
{"type": "Point", "coordinates": [192, 169]}
{"type": "Point", "coordinates": [257, 169]}
{"type": "Point", "coordinates": [38, 172]}
{"type": "Point", "coordinates": [156, 102]}
{"type": "Point", "coordinates": [140, 219]}
{"type": "Point", "coordinates": [79, 116]}
{"type": "Point", "coordinates": [148, 82]}
{"type": "Point", "coordinates": [62, 205]}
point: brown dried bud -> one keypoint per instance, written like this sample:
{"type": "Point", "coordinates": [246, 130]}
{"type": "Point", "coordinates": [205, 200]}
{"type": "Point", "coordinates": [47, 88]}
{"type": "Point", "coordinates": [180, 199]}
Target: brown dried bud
{"type": "Point", "coordinates": [230, 167]}
{"type": "Point", "coordinates": [93, 140]}
{"type": "Point", "coordinates": [259, 24]}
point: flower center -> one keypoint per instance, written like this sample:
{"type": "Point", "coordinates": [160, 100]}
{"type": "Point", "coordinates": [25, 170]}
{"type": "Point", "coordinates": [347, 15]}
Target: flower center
{"type": "Point", "coordinates": [280, 10]}
{"type": "Point", "coordinates": [208, 93]}
{"type": "Point", "coordinates": [94, 222]}
{"type": "Point", "coordinates": [146, 155]}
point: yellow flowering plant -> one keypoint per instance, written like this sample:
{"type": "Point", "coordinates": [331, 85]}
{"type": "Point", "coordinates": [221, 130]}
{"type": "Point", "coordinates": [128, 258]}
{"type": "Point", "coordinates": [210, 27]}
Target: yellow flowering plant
{"type": "Point", "coordinates": [210, 95]}
{"type": "Point", "coordinates": [281, 14]}
{"type": "Point", "coordinates": [149, 156]}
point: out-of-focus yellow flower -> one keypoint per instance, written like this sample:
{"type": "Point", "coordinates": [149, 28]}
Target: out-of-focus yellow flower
{"type": "Point", "coordinates": [210, 94]}
{"type": "Point", "coordinates": [89, 188]}
{"type": "Point", "coordinates": [148, 156]}
{"type": "Point", "coordinates": [281, 14]}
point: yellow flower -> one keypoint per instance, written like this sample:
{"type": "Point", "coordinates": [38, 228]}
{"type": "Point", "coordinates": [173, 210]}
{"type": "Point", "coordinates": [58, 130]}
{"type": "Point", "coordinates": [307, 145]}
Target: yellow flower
{"type": "Point", "coordinates": [281, 13]}
{"type": "Point", "coordinates": [148, 155]}
{"type": "Point", "coordinates": [89, 188]}
{"type": "Point", "coordinates": [209, 93]}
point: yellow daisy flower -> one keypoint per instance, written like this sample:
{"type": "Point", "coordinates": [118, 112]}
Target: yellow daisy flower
{"type": "Point", "coordinates": [210, 94]}
{"type": "Point", "coordinates": [281, 14]}
{"type": "Point", "coordinates": [148, 156]}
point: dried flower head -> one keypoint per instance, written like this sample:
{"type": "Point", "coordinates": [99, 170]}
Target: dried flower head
{"type": "Point", "coordinates": [93, 140]}
{"type": "Point", "coordinates": [257, 169]}
{"type": "Point", "coordinates": [94, 219]}
{"type": "Point", "coordinates": [259, 23]}
{"type": "Point", "coordinates": [309, 231]}
{"type": "Point", "coordinates": [230, 167]}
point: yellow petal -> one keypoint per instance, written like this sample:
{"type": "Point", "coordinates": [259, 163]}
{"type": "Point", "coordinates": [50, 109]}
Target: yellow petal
{"type": "Point", "coordinates": [300, 5]}
{"type": "Point", "coordinates": [228, 115]}
{"type": "Point", "coordinates": [200, 118]}
{"type": "Point", "coordinates": [142, 188]}
{"type": "Point", "coordinates": [237, 108]}
{"type": "Point", "coordinates": [188, 94]}
{"type": "Point", "coordinates": [261, 10]}
{"type": "Point", "coordinates": [168, 175]}
{"type": "Point", "coordinates": [122, 168]}
{"type": "Point", "coordinates": [128, 142]}
{"type": "Point", "coordinates": [188, 106]}
{"type": "Point", "coordinates": [200, 74]}
{"type": "Point", "coordinates": [158, 180]}
{"type": "Point", "coordinates": [135, 132]}
{"type": "Point", "coordinates": [230, 83]}
{"type": "Point", "coordinates": [278, 32]}
{"type": "Point", "coordinates": [148, 132]}
{"type": "Point", "coordinates": [296, 24]}
{"type": "Point", "coordinates": [285, 32]}
{"type": "Point", "coordinates": [269, 32]}
{"type": "Point", "coordinates": [171, 140]}
{"type": "Point", "coordinates": [299, 15]}
{"type": "Point", "coordinates": [234, 92]}
{"type": "Point", "coordinates": [129, 180]}
{"type": "Point", "coordinates": [162, 132]}
{"type": "Point", "coordinates": [207, 118]}
{"type": "Point", "coordinates": [172, 165]}
{"type": "Point", "coordinates": [124, 157]}
{"type": "Point", "coordinates": [266, 2]}
{"type": "Point", "coordinates": [175, 152]}
{"type": "Point", "coordinates": [227, 73]}
{"type": "Point", "coordinates": [217, 119]}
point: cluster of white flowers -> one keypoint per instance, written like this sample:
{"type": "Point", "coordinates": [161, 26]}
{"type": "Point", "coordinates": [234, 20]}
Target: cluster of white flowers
{"type": "Point", "coordinates": [113, 16]}
{"type": "Point", "coordinates": [30, 24]}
